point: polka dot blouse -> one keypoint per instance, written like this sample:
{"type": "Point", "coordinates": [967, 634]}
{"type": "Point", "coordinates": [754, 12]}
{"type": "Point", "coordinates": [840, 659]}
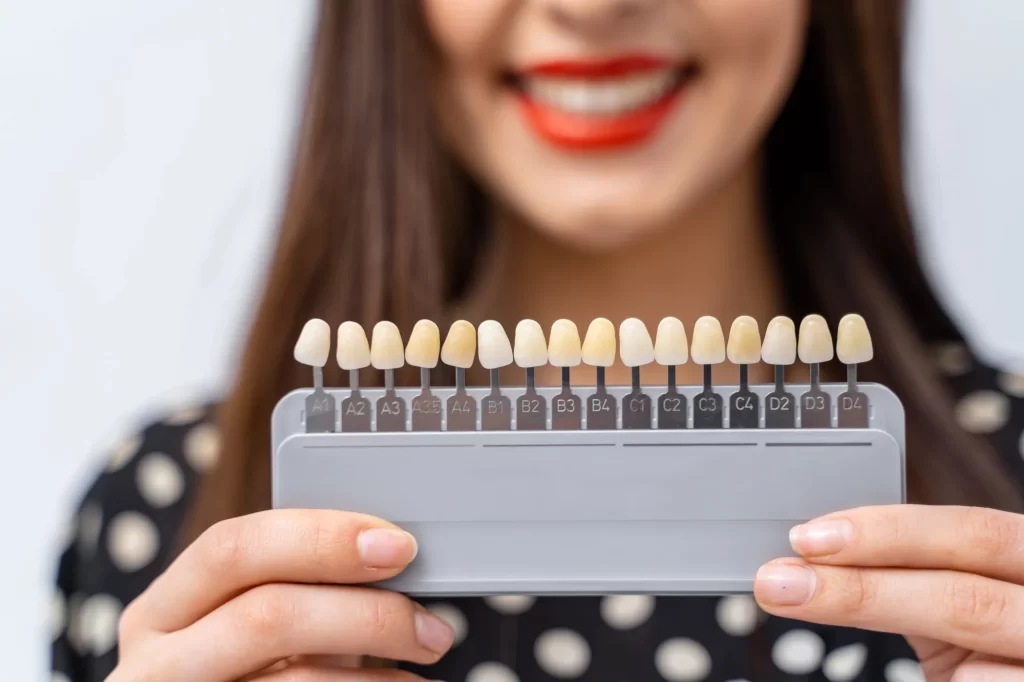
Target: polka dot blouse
{"type": "Point", "coordinates": [123, 537]}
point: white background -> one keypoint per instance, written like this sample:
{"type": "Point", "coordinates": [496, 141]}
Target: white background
{"type": "Point", "coordinates": [142, 151]}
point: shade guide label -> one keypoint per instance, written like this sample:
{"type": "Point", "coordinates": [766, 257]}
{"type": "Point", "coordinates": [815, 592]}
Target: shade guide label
{"type": "Point", "coordinates": [355, 414]}
{"type": "Point", "coordinates": [672, 411]}
{"type": "Point", "coordinates": [496, 413]}
{"type": "Point", "coordinates": [426, 413]}
{"type": "Point", "coordinates": [707, 410]}
{"type": "Point", "coordinates": [566, 412]}
{"type": "Point", "coordinates": [390, 413]}
{"type": "Point", "coordinates": [853, 410]}
{"type": "Point", "coordinates": [320, 413]}
{"type": "Point", "coordinates": [636, 411]}
{"type": "Point", "coordinates": [601, 412]}
{"type": "Point", "coordinates": [461, 412]}
{"type": "Point", "coordinates": [780, 411]}
{"type": "Point", "coordinates": [744, 410]}
{"type": "Point", "coordinates": [531, 412]}
{"type": "Point", "coordinates": [816, 410]}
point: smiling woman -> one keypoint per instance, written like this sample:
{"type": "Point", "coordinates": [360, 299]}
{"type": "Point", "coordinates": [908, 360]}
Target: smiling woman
{"type": "Point", "coordinates": [544, 159]}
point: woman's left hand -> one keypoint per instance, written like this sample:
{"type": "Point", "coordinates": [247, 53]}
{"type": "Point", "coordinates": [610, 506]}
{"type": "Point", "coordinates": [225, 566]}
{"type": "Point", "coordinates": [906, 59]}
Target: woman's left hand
{"type": "Point", "coordinates": [950, 579]}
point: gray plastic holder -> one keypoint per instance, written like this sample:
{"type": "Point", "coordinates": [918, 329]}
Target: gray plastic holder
{"type": "Point", "coordinates": [669, 512]}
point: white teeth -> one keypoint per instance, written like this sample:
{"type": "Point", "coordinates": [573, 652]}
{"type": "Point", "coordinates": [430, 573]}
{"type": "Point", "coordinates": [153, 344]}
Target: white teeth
{"type": "Point", "coordinates": [601, 97]}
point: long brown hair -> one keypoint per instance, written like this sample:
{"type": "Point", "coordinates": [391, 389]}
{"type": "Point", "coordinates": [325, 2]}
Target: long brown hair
{"type": "Point", "coordinates": [380, 223]}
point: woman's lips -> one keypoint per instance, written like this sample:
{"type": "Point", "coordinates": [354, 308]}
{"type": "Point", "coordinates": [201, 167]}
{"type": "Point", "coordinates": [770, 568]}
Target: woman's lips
{"type": "Point", "coordinates": [596, 105]}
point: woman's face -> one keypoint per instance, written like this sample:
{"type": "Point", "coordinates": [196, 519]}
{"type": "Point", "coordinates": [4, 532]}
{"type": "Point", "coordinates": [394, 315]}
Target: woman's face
{"type": "Point", "coordinates": [602, 121]}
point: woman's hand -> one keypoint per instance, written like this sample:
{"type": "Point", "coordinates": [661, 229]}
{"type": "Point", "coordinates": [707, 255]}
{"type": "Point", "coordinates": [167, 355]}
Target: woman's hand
{"type": "Point", "coordinates": [951, 579]}
{"type": "Point", "coordinates": [273, 597]}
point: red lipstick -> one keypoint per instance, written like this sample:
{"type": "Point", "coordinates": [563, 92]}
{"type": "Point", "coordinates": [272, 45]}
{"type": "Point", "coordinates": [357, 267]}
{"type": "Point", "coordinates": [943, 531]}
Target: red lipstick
{"type": "Point", "coordinates": [598, 130]}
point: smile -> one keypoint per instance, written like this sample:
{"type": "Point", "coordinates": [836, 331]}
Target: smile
{"type": "Point", "coordinates": [587, 105]}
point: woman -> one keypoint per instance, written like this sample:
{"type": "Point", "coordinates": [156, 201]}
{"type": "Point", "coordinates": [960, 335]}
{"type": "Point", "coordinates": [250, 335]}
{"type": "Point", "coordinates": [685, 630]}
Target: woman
{"type": "Point", "coordinates": [572, 158]}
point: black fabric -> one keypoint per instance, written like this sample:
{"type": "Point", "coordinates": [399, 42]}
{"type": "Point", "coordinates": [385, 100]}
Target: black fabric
{"type": "Point", "coordinates": [123, 538]}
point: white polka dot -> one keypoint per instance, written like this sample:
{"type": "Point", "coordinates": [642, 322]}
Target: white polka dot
{"type": "Point", "coordinates": [983, 411]}
{"type": "Point", "coordinates": [453, 617]}
{"type": "Point", "coordinates": [845, 663]}
{"type": "Point", "coordinates": [511, 604]}
{"type": "Point", "coordinates": [58, 614]}
{"type": "Point", "coordinates": [798, 652]}
{"type": "Point", "coordinates": [953, 359]}
{"type": "Point", "coordinates": [160, 480]}
{"type": "Point", "coordinates": [74, 630]}
{"type": "Point", "coordinates": [1012, 383]}
{"type": "Point", "coordinates": [491, 672]}
{"type": "Point", "coordinates": [682, 660]}
{"type": "Point", "coordinates": [124, 452]}
{"type": "Point", "coordinates": [90, 525]}
{"type": "Point", "coordinates": [626, 611]}
{"type": "Point", "coordinates": [59, 677]}
{"type": "Point", "coordinates": [737, 615]}
{"type": "Point", "coordinates": [185, 415]}
{"type": "Point", "coordinates": [98, 622]}
{"type": "Point", "coordinates": [562, 653]}
{"type": "Point", "coordinates": [132, 541]}
{"type": "Point", "coordinates": [202, 447]}
{"type": "Point", "coordinates": [903, 670]}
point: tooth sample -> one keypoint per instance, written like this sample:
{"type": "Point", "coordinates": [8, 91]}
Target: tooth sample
{"type": "Point", "coordinates": [458, 352]}
{"type": "Point", "coordinates": [422, 351]}
{"type": "Point", "coordinates": [495, 352]}
{"type": "Point", "coordinates": [565, 351]}
{"type": "Point", "coordinates": [599, 352]}
{"type": "Point", "coordinates": [853, 346]}
{"type": "Point", "coordinates": [707, 349]}
{"type": "Point", "coordinates": [353, 355]}
{"type": "Point", "coordinates": [744, 349]}
{"type": "Point", "coordinates": [312, 349]}
{"type": "Point", "coordinates": [671, 349]}
{"type": "Point", "coordinates": [636, 349]}
{"type": "Point", "coordinates": [388, 354]}
{"type": "Point", "coordinates": [779, 349]}
{"type": "Point", "coordinates": [530, 352]}
{"type": "Point", "coordinates": [815, 347]}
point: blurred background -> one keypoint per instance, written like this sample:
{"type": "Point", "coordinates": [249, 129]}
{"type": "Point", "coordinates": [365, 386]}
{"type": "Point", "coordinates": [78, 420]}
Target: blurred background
{"type": "Point", "coordinates": [143, 153]}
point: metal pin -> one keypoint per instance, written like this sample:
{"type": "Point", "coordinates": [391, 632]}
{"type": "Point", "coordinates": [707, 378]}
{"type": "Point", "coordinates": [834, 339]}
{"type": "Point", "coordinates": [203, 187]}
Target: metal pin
{"type": "Point", "coordinates": [814, 348]}
{"type": "Point", "coordinates": [708, 349]}
{"type": "Point", "coordinates": [494, 351]}
{"type": "Point", "coordinates": [854, 347]}
{"type": "Point", "coordinates": [531, 351]}
{"type": "Point", "coordinates": [670, 349]}
{"type": "Point", "coordinates": [744, 350]}
{"type": "Point", "coordinates": [779, 349]}
{"type": "Point", "coordinates": [599, 352]}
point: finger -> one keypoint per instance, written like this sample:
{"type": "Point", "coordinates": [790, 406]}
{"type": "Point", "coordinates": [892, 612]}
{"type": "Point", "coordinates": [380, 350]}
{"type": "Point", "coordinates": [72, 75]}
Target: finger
{"type": "Point", "coordinates": [316, 674]}
{"type": "Point", "coordinates": [989, 671]}
{"type": "Point", "coordinates": [969, 539]}
{"type": "Point", "coordinates": [295, 546]}
{"type": "Point", "coordinates": [967, 610]}
{"type": "Point", "coordinates": [274, 622]}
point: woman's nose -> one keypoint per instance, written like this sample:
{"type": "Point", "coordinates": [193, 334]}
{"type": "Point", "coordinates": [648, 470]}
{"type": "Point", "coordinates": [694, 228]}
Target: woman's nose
{"type": "Point", "coordinates": [598, 15]}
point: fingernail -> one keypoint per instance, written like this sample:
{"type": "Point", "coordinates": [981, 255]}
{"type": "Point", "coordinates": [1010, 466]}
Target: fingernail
{"type": "Point", "coordinates": [433, 633]}
{"type": "Point", "coordinates": [821, 538]}
{"type": "Point", "coordinates": [386, 548]}
{"type": "Point", "coordinates": [784, 584]}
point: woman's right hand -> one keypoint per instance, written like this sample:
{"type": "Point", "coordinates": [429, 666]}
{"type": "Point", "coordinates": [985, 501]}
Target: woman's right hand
{"type": "Point", "coordinates": [275, 596]}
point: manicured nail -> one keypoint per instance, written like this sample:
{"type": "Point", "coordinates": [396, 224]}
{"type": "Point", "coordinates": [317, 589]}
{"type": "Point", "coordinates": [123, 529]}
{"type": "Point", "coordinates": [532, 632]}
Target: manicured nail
{"type": "Point", "coordinates": [784, 584]}
{"type": "Point", "coordinates": [386, 548]}
{"type": "Point", "coordinates": [433, 632]}
{"type": "Point", "coordinates": [821, 538]}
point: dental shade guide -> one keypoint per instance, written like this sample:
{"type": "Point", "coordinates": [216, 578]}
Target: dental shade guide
{"type": "Point", "coordinates": [552, 499]}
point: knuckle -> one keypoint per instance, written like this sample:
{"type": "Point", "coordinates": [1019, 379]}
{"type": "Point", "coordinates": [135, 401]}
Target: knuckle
{"type": "Point", "coordinates": [859, 593]}
{"type": "Point", "coordinates": [226, 544]}
{"type": "Point", "coordinates": [974, 605]}
{"type": "Point", "coordinates": [992, 533]}
{"type": "Point", "coordinates": [329, 541]}
{"type": "Point", "coordinates": [382, 614]}
{"type": "Point", "coordinates": [267, 611]}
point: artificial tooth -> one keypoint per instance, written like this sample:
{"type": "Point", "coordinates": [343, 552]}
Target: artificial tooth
{"type": "Point", "coordinates": [744, 349]}
{"type": "Point", "coordinates": [779, 349]}
{"type": "Point", "coordinates": [707, 349]}
{"type": "Point", "coordinates": [423, 351]}
{"type": "Point", "coordinates": [565, 351]}
{"type": "Point", "coordinates": [388, 353]}
{"type": "Point", "coordinates": [495, 352]}
{"type": "Point", "coordinates": [458, 351]}
{"type": "Point", "coordinates": [670, 349]}
{"type": "Point", "coordinates": [313, 348]}
{"type": "Point", "coordinates": [353, 354]}
{"type": "Point", "coordinates": [636, 349]}
{"type": "Point", "coordinates": [854, 347]}
{"type": "Point", "coordinates": [599, 351]}
{"type": "Point", "coordinates": [530, 351]}
{"type": "Point", "coordinates": [814, 346]}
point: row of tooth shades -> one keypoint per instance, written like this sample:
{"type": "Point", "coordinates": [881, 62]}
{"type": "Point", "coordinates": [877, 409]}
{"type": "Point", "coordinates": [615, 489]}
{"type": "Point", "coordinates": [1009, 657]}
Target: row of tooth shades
{"type": "Point", "coordinates": [634, 346]}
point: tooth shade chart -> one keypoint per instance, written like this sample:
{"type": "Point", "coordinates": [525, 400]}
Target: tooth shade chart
{"type": "Point", "coordinates": [781, 345]}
